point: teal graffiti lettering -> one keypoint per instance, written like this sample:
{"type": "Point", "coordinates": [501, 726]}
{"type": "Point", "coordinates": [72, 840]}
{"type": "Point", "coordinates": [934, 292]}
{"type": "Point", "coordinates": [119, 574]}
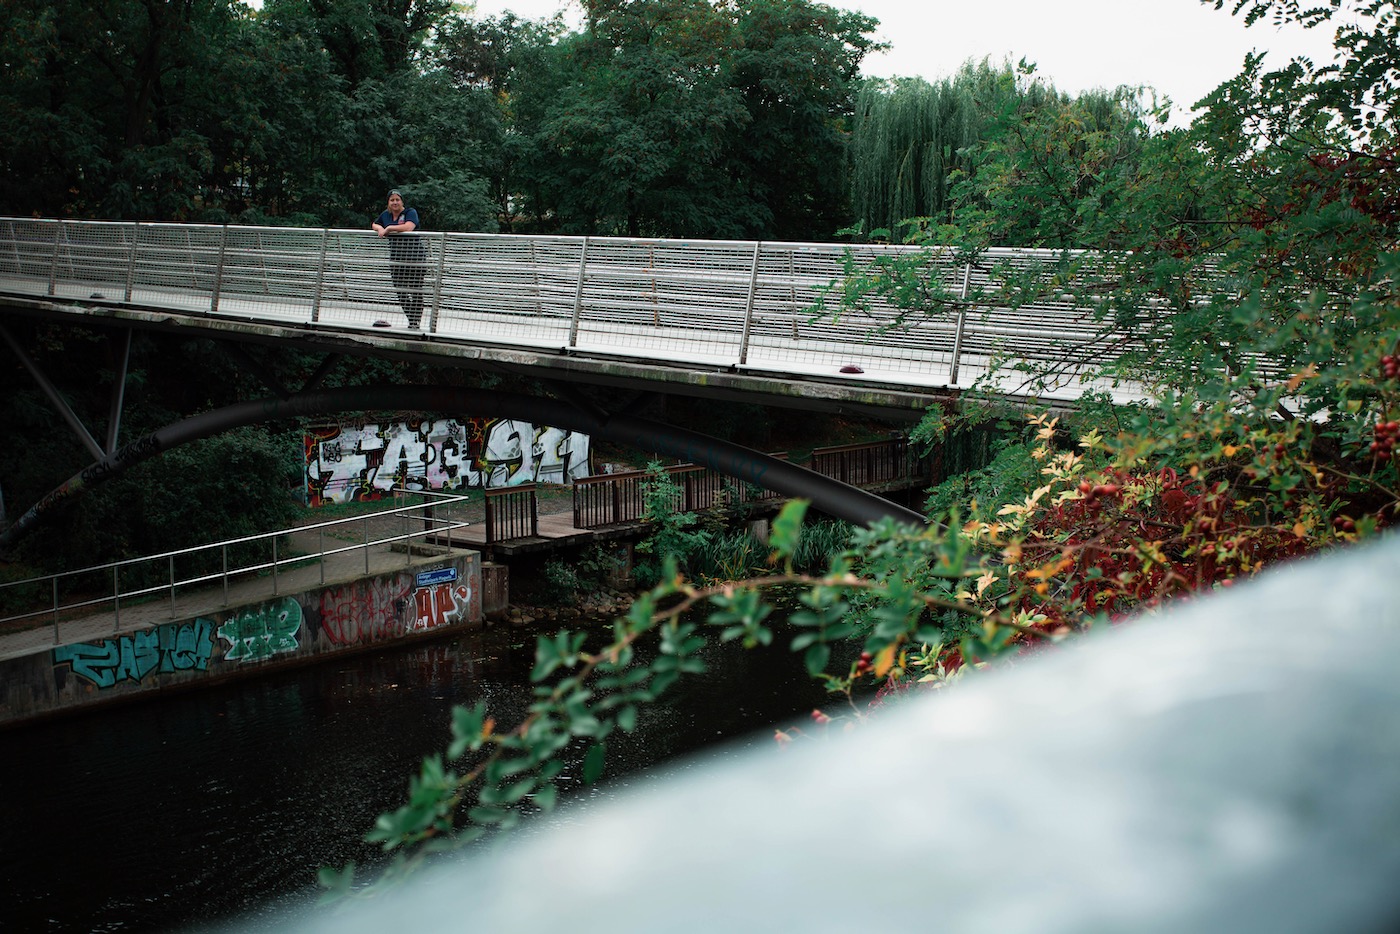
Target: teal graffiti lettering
{"type": "Point", "coordinates": [261, 633]}
{"type": "Point", "coordinates": [165, 649]}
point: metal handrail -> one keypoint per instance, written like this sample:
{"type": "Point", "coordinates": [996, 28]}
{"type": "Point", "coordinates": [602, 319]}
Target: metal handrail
{"type": "Point", "coordinates": [743, 304]}
{"type": "Point", "coordinates": [426, 511]}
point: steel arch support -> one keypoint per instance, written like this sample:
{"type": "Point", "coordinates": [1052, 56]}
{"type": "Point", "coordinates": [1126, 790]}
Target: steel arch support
{"type": "Point", "coordinates": [832, 496]}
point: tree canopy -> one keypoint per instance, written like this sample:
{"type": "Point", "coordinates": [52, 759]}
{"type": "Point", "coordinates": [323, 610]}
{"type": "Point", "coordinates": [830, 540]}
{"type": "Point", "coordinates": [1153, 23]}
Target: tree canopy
{"type": "Point", "coordinates": [671, 117]}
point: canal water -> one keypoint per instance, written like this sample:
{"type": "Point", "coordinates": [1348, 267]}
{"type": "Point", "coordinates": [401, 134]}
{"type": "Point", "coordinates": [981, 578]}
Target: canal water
{"type": "Point", "coordinates": [190, 810]}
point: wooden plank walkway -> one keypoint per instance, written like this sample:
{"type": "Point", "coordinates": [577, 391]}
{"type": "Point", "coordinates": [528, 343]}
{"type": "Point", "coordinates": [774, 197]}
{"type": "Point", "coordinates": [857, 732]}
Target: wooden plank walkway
{"type": "Point", "coordinates": [554, 530]}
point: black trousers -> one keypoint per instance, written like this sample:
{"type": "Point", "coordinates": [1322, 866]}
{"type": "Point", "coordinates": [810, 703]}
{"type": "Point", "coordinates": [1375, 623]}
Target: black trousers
{"type": "Point", "coordinates": [408, 283]}
{"type": "Point", "coordinates": [408, 266]}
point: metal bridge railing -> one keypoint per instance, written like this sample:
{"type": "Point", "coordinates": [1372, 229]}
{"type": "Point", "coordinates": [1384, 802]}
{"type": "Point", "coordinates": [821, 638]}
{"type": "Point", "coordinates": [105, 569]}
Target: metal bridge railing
{"type": "Point", "coordinates": [730, 303]}
{"type": "Point", "coordinates": [69, 594]}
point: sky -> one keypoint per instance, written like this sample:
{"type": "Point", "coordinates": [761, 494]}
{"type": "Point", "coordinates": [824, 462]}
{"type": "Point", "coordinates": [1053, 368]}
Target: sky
{"type": "Point", "coordinates": [1182, 48]}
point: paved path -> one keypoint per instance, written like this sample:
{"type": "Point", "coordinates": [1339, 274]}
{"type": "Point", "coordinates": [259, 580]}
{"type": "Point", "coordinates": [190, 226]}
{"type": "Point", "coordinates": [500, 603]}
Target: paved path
{"type": "Point", "coordinates": [355, 562]}
{"type": "Point", "coordinates": [352, 561]}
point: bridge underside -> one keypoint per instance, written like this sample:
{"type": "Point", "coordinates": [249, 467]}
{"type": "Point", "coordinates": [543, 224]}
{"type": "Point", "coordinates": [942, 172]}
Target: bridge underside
{"type": "Point", "coordinates": [835, 393]}
{"type": "Point", "coordinates": [832, 496]}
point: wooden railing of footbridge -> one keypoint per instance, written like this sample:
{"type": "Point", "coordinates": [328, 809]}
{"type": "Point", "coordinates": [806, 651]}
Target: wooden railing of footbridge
{"type": "Point", "coordinates": [619, 498]}
{"type": "Point", "coordinates": [512, 512]}
{"type": "Point", "coordinates": [873, 464]}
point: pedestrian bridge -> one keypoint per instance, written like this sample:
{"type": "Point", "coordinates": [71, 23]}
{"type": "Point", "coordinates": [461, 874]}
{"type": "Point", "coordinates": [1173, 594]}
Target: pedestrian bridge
{"type": "Point", "coordinates": [703, 317]}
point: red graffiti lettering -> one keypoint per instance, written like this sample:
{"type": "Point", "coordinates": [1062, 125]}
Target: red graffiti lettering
{"type": "Point", "coordinates": [360, 614]}
{"type": "Point", "coordinates": [440, 605]}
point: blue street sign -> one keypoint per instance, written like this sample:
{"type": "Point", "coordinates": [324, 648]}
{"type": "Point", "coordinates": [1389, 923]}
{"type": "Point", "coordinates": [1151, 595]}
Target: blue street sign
{"type": "Point", "coordinates": [435, 576]}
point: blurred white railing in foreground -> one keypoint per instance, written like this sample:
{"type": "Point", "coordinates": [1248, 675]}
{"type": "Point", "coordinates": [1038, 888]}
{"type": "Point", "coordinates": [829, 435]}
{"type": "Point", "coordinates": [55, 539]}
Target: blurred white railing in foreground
{"type": "Point", "coordinates": [1230, 766]}
{"type": "Point", "coordinates": [710, 303]}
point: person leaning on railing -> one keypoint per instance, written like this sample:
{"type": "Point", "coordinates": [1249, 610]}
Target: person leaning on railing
{"type": "Point", "coordinates": [407, 256]}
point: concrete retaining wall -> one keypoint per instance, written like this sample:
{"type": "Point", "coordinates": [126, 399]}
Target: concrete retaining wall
{"type": "Point", "coordinates": [246, 640]}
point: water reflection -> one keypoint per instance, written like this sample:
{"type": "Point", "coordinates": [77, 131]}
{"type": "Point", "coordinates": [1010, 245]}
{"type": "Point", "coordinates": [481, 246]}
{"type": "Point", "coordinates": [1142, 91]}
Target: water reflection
{"type": "Point", "coordinates": [186, 810]}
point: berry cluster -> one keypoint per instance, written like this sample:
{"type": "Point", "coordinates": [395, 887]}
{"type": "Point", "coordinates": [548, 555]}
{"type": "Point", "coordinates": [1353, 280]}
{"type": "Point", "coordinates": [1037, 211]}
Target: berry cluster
{"type": "Point", "coordinates": [1383, 448]}
{"type": "Point", "coordinates": [1390, 366]}
{"type": "Point", "coordinates": [865, 664]}
{"type": "Point", "coordinates": [1344, 524]}
{"type": "Point", "coordinates": [1095, 490]}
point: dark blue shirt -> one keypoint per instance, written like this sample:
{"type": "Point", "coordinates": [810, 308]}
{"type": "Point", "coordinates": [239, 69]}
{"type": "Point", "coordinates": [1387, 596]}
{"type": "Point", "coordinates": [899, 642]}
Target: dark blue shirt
{"type": "Point", "coordinates": [403, 247]}
{"type": "Point", "coordinates": [409, 214]}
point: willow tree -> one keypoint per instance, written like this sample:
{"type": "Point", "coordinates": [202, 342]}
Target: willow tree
{"type": "Point", "coordinates": [905, 146]}
{"type": "Point", "coordinates": [916, 145]}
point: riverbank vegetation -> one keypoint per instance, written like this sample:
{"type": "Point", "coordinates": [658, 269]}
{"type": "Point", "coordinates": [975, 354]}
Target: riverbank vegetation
{"type": "Point", "coordinates": [1262, 240]}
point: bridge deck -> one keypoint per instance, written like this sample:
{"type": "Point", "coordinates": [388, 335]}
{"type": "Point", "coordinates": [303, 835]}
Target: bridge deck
{"type": "Point", "coordinates": [639, 307]}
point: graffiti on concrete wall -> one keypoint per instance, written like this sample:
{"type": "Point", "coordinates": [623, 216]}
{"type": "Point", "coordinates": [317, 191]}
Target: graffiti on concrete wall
{"type": "Point", "coordinates": [389, 607]}
{"type": "Point", "coordinates": [441, 604]}
{"type": "Point", "coordinates": [372, 610]}
{"type": "Point", "coordinates": [347, 464]}
{"type": "Point", "coordinates": [165, 649]}
{"type": "Point", "coordinates": [263, 631]}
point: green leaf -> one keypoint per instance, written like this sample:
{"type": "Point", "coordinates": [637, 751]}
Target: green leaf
{"type": "Point", "coordinates": [546, 797]}
{"type": "Point", "coordinates": [586, 725]}
{"type": "Point", "coordinates": [593, 763]}
{"type": "Point", "coordinates": [627, 718]}
{"type": "Point", "coordinates": [929, 635]}
{"type": "Point", "coordinates": [486, 816]}
{"type": "Point", "coordinates": [786, 529]}
{"type": "Point", "coordinates": [816, 658]}
{"type": "Point", "coordinates": [547, 659]}
{"type": "Point", "coordinates": [518, 790]}
{"type": "Point", "coordinates": [467, 726]}
{"type": "Point", "coordinates": [336, 882]}
{"type": "Point", "coordinates": [661, 681]}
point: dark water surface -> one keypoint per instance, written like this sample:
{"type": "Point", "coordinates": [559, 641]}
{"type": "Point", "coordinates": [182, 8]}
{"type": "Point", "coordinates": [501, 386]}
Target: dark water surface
{"type": "Point", "coordinates": [220, 803]}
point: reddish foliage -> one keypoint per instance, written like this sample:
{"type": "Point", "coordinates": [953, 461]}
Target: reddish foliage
{"type": "Point", "coordinates": [1136, 540]}
{"type": "Point", "coordinates": [1087, 556]}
